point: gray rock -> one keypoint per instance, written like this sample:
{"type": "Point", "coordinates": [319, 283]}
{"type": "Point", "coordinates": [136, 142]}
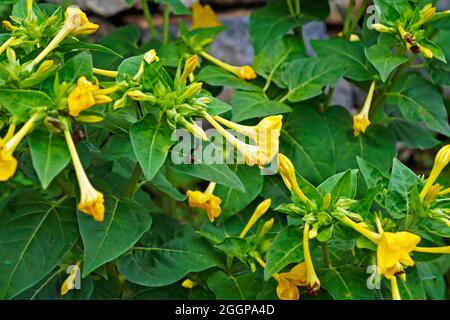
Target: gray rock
{"type": "Point", "coordinates": [105, 8]}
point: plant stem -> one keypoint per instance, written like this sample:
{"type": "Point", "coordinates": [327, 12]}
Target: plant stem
{"type": "Point", "coordinates": [297, 7]}
{"type": "Point", "coordinates": [358, 15]}
{"type": "Point", "coordinates": [148, 17]}
{"type": "Point", "coordinates": [291, 8]}
{"type": "Point", "coordinates": [347, 20]}
{"type": "Point", "coordinates": [134, 180]}
{"type": "Point", "coordinates": [325, 255]}
{"type": "Point", "coordinates": [166, 24]}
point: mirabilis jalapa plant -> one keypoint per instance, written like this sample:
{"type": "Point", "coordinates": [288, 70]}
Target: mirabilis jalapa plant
{"type": "Point", "coordinates": [89, 187]}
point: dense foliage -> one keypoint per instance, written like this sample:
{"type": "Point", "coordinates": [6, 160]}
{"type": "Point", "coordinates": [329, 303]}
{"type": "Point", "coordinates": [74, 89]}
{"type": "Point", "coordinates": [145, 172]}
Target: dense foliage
{"type": "Point", "coordinates": [99, 199]}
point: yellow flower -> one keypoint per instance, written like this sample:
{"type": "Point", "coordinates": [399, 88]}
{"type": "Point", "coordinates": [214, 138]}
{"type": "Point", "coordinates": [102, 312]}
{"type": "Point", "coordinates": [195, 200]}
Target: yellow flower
{"type": "Point", "coordinates": [8, 26]}
{"type": "Point", "coordinates": [287, 172]}
{"type": "Point", "coordinates": [149, 57]}
{"type": "Point", "coordinates": [252, 154]}
{"type": "Point", "coordinates": [203, 17]}
{"type": "Point", "coordinates": [8, 164]}
{"type": "Point", "coordinates": [353, 37]}
{"type": "Point", "coordinates": [195, 129]}
{"type": "Point", "coordinates": [86, 95]}
{"type": "Point", "coordinates": [426, 14]}
{"type": "Point", "coordinates": [288, 282]}
{"type": "Point", "coordinates": [438, 250]}
{"type": "Point", "coordinates": [361, 120]}
{"type": "Point", "coordinates": [266, 133]}
{"type": "Point", "coordinates": [189, 67]}
{"type": "Point", "coordinates": [426, 52]}
{"type": "Point", "coordinates": [92, 201]}
{"type": "Point", "coordinates": [69, 283]}
{"type": "Point", "coordinates": [440, 162]}
{"type": "Point", "coordinates": [188, 284]}
{"type": "Point", "coordinates": [29, 7]}
{"type": "Point", "coordinates": [312, 281]}
{"type": "Point", "coordinates": [105, 73]}
{"type": "Point", "coordinates": [381, 28]}
{"type": "Point", "coordinates": [243, 72]}
{"type": "Point", "coordinates": [206, 201]}
{"type": "Point", "coordinates": [260, 210]}
{"type": "Point", "coordinates": [393, 251]}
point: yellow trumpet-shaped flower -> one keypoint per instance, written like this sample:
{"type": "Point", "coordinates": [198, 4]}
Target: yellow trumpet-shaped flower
{"type": "Point", "coordinates": [195, 129]}
{"type": "Point", "coordinates": [8, 26]}
{"type": "Point", "coordinates": [426, 14]}
{"type": "Point", "coordinates": [75, 23]}
{"type": "Point", "coordinates": [287, 172]}
{"type": "Point", "coordinates": [92, 201]}
{"type": "Point", "coordinates": [440, 162]}
{"type": "Point", "coordinates": [149, 57]}
{"type": "Point", "coordinates": [438, 250]}
{"type": "Point", "coordinates": [203, 16]}
{"type": "Point", "coordinates": [86, 95]}
{"type": "Point", "coordinates": [243, 72]}
{"type": "Point", "coordinates": [312, 281]}
{"type": "Point", "coordinates": [252, 154]}
{"type": "Point", "coordinates": [260, 210]}
{"type": "Point", "coordinates": [393, 251]}
{"type": "Point", "coordinates": [189, 67]}
{"type": "Point", "coordinates": [381, 28]}
{"type": "Point", "coordinates": [394, 289]}
{"type": "Point", "coordinates": [206, 201]}
{"type": "Point", "coordinates": [6, 44]}
{"type": "Point", "coordinates": [29, 7]}
{"type": "Point", "coordinates": [69, 283]}
{"type": "Point", "coordinates": [188, 284]}
{"type": "Point", "coordinates": [266, 133]}
{"type": "Point", "coordinates": [361, 120]}
{"type": "Point", "coordinates": [105, 73]}
{"type": "Point", "coordinates": [8, 164]}
{"type": "Point", "coordinates": [288, 282]}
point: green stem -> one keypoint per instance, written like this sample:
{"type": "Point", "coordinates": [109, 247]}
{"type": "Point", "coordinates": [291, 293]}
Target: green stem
{"type": "Point", "coordinates": [166, 24]}
{"type": "Point", "coordinates": [148, 17]}
{"type": "Point", "coordinates": [325, 255]}
{"type": "Point", "coordinates": [358, 14]}
{"type": "Point", "coordinates": [291, 8]}
{"type": "Point", "coordinates": [297, 7]}
{"type": "Point", "coordinates": [134, 180]}
{"type": "Point", "coordinates": [348, 17]}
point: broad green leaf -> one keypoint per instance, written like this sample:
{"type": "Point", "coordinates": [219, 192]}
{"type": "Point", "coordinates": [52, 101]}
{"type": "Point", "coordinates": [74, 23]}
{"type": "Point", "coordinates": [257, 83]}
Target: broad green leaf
{"type": "Point", "coordinates": [78, 46]}
{"type": "Point", "coordinates": [161, 183]}
{"type": "Point", "coordinates": [306, 77]}
{"type": "Point", "coordinates": [376, 145]}
{"type": "Point", "coordinates": [350, 54]}
{"type": "Point", "coordinates": [419, 100]}
{"type": "Point", "coordinates": [151, 141]}
{"type": "Point", "coordinates": [439, 71]}
{"type": "Point", "coordinates": [343, 184]}
{"type": "Point", "coordinates": [346, 282]}
{"type": "Point", "coordinates": [270, 60]}
{"type": "Point", "coordinates": [125, 222]}
{"type": "Point", "coordinates": [391, 10]}
{"type": "Point", "coordinates": [235, 287]}
{"type": "Point", "coordinates": [248, 105]}
{"type": "Point", "coordinates": [177, 6]}
{"type": "Point", "coordinates": [372, 175]}
{"type": "Point", "coordinates": [21, 102]}
{"type": "Point", "coordinates": [412, 288]}
{"type": "Point", "coordinates": [308, 142]}
{"type": "Point", "coordinates": [384, 60]}
{"type": "Point", "coordinates": [412, 133]}
{"type": "Point", "coordinates": [398, 197]}
{"type": "Point", "coordinates": [79, 66]}
{"type": "Point", "coordinates": [286, 248]}
{"type": "Point", "coordinates": [216, 76]}
{"type": "Point", "coordinates": [49, 153]}
{"type": "Point", "coordinates": [166, 254]}
{"type": "Point", "coordinates": [235, 247]}
{"type": "Point", "coordinates": [34, 236]}
{"type": "Point", "coordinates": [234, 200]}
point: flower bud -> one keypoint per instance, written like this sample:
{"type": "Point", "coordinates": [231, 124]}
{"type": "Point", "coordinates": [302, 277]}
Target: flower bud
{"type": "Point", "coordinates": [138, 95]}
{"type": "Point", "coordinates": [381, 27]}
{"type": "Point", "coordinates": [192, 90]}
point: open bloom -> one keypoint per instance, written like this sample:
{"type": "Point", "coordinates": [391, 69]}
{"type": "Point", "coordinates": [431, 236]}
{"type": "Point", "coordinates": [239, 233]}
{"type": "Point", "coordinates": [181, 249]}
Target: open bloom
{"type": "Point", "coordinates": [75, 23]}
{"type": "Point", "coordinates": [92, 201]}
{"type": "Point", "coordinates": [260, 210]}
{"type": "Point", "coordinates": [203, 16]}
{"type": "Point", "coordinates": [206, 201]}
{"type": "Point", "coordinates": [361, 120]}
{"type": "Point", "coordinates": [243, 72]}
{"type": "Point", "coordinates": [8, 164]}
{"type": "Point", "coordinates": [288, 282]}
{"type": "Point", "coordinates": [86, 95]}
{"type": "Point", "coordinates": [440, 162]}
{"type": "Point", "coordinates": [266, 133]}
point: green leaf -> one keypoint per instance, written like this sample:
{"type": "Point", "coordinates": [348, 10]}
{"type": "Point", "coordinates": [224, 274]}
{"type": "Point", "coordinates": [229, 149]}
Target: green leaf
{"type": "Point", "coordinates": [235, 247]}
{"type": "Point", "coordinates": [391, 10]}
{"type": "Point", "coordinates": [166, 254]}
{"type": "Point", "coordinates": [286, 248]}
{"type": "Point", "coordinates": [125, 222]}
{"type": "Point", "coordinates": [151, 141]}
{"type": "Point", "coordinates": [177, 6]}
{"type": "Point", "coordinates": [402, 182]}
{"type": "Point", "coordinates": [21, 102]}
{"type": "Point", "coordinates": [79, 66]}
{"type": "Point", "coordinates": [307, 141]}
{"type": "Point", "coordinates": [343, 184]}
{"type": "Point", "coordinates": [412, 288]}
{"type": "Point", "coordinates": [372, 175]}
{"type": "Point", "coordinates": [418, 100]}
{"type": "Point", "coordinates": [49, 153]}
{"type": "Point", "coordinates": [162, 184]}
{"type": "Point", "coordinates": [34, 236]}
{"type": "Point", "coordinates": [235, 287]}
{"type": "Point", "coordinates": [346, 282]}
{"type": "Point", "coordinates": [412, 134]}
{"type": "Point", "coordinates": [382, 58]}
{"type": "Point", "coordinates": [271, 59]}
{"type": "Point", "coordinates": [216, 76]}
{"type": "Point", "coordinates": [350, 54]}
{"type": "Point", "coordinates": [234, 200]}
{"type": "Point", "coordinates": [248, 105]}
{"type": "Point", "coordinates": [306, 77]}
